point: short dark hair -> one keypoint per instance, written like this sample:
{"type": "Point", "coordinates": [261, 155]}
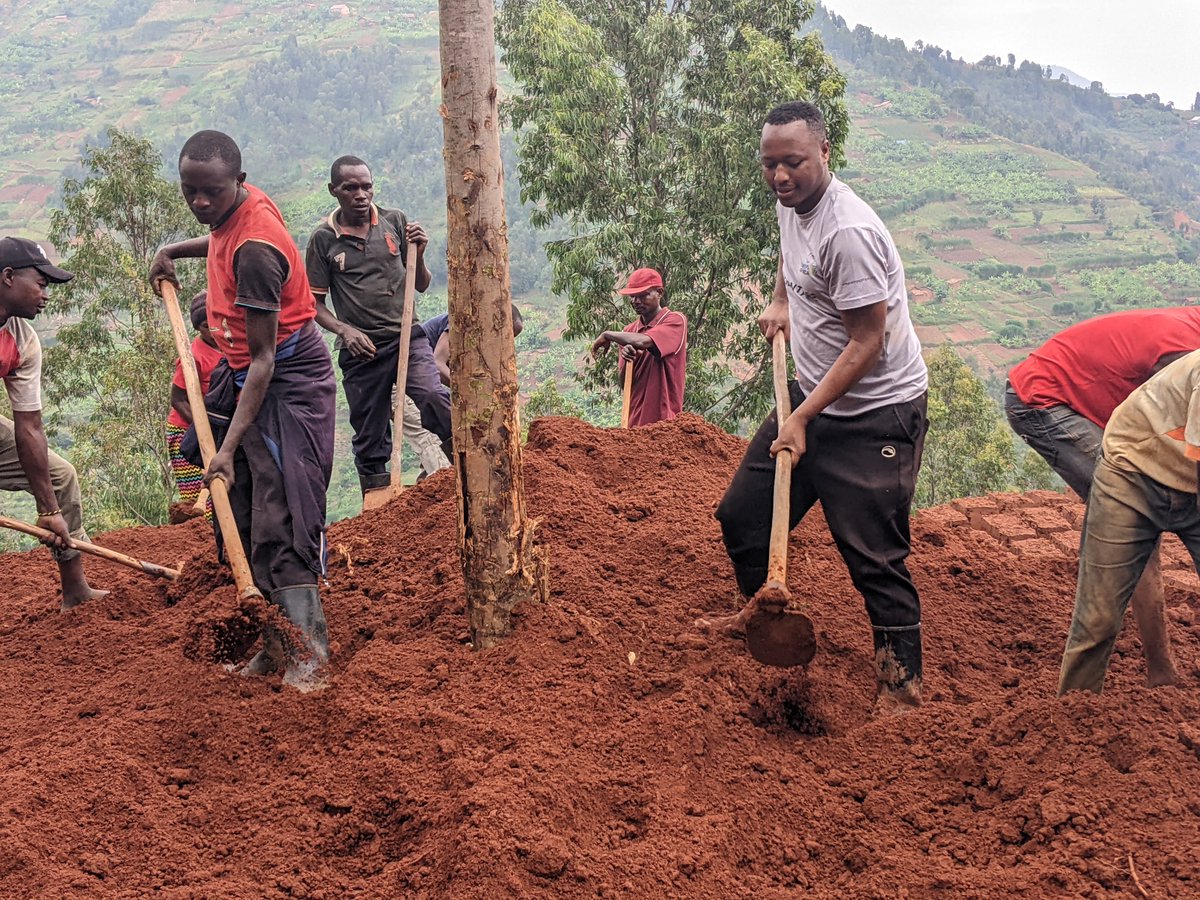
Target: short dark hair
{"type": "Point", "coordinates": [517, 319]}
{"type": "Point", "coordinates": [343, 162]}
{"type": "Point", "coordinates": [199, 310]}
{"type": "Point", "coordinates": [206, 145]}
{"type": "Point", "coordinates": [799, 111]}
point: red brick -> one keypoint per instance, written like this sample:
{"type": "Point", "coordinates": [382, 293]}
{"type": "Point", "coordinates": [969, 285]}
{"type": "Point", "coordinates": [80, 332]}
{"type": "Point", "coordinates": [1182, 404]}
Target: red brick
{"type": "Point", "coordinates": [1181, 580]}
{"type": "Point", "coordinates": [1173, 554]}
{"type": "Point", "coordinates": [1038, 547]}
{"type": "Point", "coordinates": [975, 508]}
{"type": "Point", "coordinates": [1045, 521]}
{"type": "Point", "coordinates": [1008, 528]}
{"type": "Point", "coordinates": [1073, 514]}
{"type": "Point", "coordinates": [1067, 541]}
{"type": "Point", "coordinates": [940, 517]}
{"type": "Point", "coordinates": [1051, 498]}
{"type": "Point", "coordinates": [1007, 502]}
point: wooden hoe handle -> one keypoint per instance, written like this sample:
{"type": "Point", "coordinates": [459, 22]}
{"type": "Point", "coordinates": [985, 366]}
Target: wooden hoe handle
{"type": "Point", "coordinates": [406, 320]}
{"type": "Point", "coordinates": [627, 396]}
{"type": "Point", "coordinates": [781, 508]}
{"type": "Point", "coordinates": [234, 551]}
{"type": "Point", "coordinates": [94, 549]}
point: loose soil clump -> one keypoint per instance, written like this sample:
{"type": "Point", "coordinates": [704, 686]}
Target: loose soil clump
{"type": "Point", "coordinates": [607, 747]}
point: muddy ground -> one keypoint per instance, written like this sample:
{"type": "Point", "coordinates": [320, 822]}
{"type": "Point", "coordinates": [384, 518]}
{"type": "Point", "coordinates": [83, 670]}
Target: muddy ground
{"type": "Point", "coordinates": [607, 748]}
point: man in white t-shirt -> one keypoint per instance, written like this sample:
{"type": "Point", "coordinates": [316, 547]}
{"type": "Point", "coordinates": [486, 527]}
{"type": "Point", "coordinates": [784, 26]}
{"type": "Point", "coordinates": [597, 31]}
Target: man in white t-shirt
{"type": "Point", "coordinates": [859, 396]}
{"type": "Point", "coordinates": [26, 461]}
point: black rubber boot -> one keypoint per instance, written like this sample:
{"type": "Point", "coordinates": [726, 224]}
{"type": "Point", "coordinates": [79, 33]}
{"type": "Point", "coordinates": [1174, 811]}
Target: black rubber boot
{"type": "Point", "coordinates": [373, 482]}
{"type": "Point", "coordinates": [309, 650]}
{"type": "Point", "coordinates": [898, 668]}
{"type": "Point", "coordinates": [448, 449]}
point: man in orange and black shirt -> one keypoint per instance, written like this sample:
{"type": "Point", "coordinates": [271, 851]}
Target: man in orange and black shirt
{"type": "Point", "coordinates": [275, 385]}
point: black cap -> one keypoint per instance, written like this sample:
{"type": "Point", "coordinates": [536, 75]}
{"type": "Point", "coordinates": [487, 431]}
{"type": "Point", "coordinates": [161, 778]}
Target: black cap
{"type": "Point", "coordinates": [19, 253]}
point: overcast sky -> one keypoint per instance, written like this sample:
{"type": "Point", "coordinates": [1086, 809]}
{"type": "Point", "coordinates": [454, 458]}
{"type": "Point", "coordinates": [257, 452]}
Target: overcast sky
{"type": "Point", "coordinates": [1132, 46]}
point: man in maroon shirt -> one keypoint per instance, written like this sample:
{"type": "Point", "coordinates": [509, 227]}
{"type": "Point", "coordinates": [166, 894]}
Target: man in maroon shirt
{"type": "Point", "coordinates": [655, 344]}
{"type": "Point", "coordinates": [1060, 399]}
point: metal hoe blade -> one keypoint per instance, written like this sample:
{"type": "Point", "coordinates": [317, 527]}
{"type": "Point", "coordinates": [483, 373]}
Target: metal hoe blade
{"type": "Point", "coordinates": [781, 638]}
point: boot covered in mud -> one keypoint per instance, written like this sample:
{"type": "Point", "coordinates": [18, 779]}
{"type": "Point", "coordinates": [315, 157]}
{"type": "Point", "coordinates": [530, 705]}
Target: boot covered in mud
{"type": "Point", "coordinates": [308, 646]}
{"type": "Point", "coordinates": [270, 657]}
{"type": "Point", "coordinates": [373, 482]}
{"type": "Point", "coordinates": [897, 668]}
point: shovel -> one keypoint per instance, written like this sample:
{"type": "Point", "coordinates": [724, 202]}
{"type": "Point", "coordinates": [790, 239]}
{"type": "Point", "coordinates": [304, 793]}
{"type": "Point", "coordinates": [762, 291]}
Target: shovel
{"type": "Point", "coordinates": [94, 549]}
{"type": "Point", "coordinates": [234, 551]}
{"type": "Point", "coordinates": [379, 496]}
{"type": "Point", "coordinates": [627, 395]}
{"type": "Point", "coordinates": [778, 634]}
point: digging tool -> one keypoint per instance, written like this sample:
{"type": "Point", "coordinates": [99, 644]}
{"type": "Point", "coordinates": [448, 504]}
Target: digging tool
{"type": "Point", "coordinates": [777, 633]}
{"type": "Point", "coordinates": [627, 396]}
{"type": "Point", "coordinates": [200, 507]}
{"type": "Point", "coordinates": [374, 499]}
{"type": "Point", "coordinates": [94, 549]}
{"type": "Point", "coordinates": [234, 551]}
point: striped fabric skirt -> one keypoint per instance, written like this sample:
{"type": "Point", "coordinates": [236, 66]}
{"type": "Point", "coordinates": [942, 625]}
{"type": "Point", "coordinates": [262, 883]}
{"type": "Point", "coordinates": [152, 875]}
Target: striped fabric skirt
{"type": "Point", "coordinates": [188, 478]}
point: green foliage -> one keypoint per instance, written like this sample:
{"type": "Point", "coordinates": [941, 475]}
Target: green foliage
{"type": "Point", "coordinates": [994, 179]}
{"type": "Point", "coordinates": [1123, 287]}
{"type": "Point", "coordinates": [548, 401]}
{"type": "Point", "coordinates": [969, 449]}
{"type": "Point", "coordinates": [112, 364]}
{"type": "Point", "coordinates": [637, 129]}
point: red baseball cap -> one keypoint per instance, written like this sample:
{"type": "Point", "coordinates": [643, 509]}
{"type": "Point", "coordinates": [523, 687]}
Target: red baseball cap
{"type": "Point", "coordinates": [640, 281]}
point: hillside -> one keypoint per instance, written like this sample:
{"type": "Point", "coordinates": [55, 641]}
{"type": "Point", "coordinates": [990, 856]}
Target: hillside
{"type": "Point", "coordinates": [1005, 242]}
{"type": "Point", "coordinates": [607, 748]}
{"type": "Point", "coordinates": [1020, 203]}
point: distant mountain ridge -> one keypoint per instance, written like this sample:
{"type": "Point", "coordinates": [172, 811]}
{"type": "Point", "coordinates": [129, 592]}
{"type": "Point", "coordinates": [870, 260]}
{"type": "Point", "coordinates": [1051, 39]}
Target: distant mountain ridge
{"type": "Point", "coordinates": [1057, 72]}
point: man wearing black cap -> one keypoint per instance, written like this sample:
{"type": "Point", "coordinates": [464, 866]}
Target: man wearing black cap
{"type": "Point", "coordinates": [655, 344]}
{"type": "Point", "coordinates": [26, 462]}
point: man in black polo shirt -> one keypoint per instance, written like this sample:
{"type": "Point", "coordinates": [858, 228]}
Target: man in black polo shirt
{"type": "Point", "coordinates": [356, 258]}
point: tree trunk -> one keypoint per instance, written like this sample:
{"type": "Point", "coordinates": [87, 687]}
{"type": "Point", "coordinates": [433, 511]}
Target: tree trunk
{"type": "Point", "coordinates": [501, 566]}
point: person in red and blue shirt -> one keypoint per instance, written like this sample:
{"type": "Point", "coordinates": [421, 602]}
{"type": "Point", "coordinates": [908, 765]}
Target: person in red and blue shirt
{"type": "Point", "coordinates": [26, 461]}
{"type": "Point", "coordinates": [655, 344]}
{"type": "Point", "coordinates": [276, 387]}
{"type": "Point", "coordinates": [189, 478]}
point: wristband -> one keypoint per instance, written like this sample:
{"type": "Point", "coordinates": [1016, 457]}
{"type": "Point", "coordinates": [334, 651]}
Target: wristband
{"type": "Point", "coordinates": [49, 513]}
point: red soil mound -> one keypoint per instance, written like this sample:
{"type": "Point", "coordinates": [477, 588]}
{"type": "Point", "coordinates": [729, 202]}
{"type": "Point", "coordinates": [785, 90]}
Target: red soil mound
{"type": "Point", "coordinates": [606, 747]}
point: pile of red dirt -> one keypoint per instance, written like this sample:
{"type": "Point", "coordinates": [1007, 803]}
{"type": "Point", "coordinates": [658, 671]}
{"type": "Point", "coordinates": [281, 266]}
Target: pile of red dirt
{"type": "Point", "coordinates": [607, 747]}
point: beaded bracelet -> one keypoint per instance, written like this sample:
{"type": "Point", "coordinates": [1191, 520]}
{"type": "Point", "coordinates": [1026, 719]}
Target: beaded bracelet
{"type": "Point", "coordinates": [53, 512]}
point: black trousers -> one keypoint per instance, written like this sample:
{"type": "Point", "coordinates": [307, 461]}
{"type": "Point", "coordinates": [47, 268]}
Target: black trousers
{"type": "Point", "coordinates": [863, 469]}
{"type": "Point", "coordinates": [259, 502]}
{"type": "Point", "coordinates": [368, 384]}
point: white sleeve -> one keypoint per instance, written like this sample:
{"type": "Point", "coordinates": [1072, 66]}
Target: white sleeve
{"type": "Point", "coordinates": [25, 382]}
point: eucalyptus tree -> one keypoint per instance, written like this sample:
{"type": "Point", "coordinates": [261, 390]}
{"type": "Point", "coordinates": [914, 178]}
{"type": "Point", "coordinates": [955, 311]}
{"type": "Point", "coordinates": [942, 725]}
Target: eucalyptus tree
{"type": "Point", "coordinates": [638, 125]}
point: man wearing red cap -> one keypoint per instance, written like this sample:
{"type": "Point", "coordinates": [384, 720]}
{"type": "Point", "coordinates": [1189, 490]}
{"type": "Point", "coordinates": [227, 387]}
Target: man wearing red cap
{"type": "Point", "coordinates": [655, 344]}
{"type": "Point", "coordinates": [26, 461]}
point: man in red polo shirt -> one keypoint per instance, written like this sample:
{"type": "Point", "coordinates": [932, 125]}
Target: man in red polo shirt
{"type": "Point", "coordinates": [655, 344]}
{"type": "Point", "coordinates": [1060, 399]}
